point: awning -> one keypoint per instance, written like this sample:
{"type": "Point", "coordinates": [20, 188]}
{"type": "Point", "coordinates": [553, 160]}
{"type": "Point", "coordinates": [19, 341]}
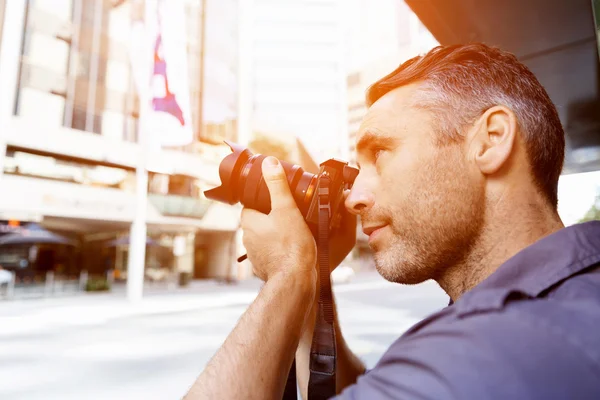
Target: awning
{"type": "Point", "coordinates": [556, 39]}
{"type": "Point", "coordinates": [34, 234]}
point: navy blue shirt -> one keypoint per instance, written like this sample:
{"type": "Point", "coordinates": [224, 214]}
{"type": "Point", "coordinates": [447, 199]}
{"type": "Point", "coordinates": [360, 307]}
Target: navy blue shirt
{"type": "Point", "coordinates": [531, 330]}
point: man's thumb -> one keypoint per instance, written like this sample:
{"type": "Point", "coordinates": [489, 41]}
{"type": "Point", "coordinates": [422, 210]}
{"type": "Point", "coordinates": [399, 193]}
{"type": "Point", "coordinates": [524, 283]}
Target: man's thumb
{"type": "Point", "coordinates": [276, 181]}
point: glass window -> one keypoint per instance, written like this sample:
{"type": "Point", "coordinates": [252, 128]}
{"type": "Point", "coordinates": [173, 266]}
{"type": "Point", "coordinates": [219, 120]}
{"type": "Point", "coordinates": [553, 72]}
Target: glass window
{"type": "Point", "coordinates": [79, 117]}
{"type": "Point", "coordinates": [117, 76]}
{"type": "Point", "coordinates": [219, 97]}
{"type": "Point", "coordinates": [2, 6]}
{"type": "Point", "coordinates": [119, 22]}
{"type": "Point", "coordinates": [158, 183]}
{"type": "Point", "coordinates": [76, 57]}
{"type": "Point", "coordinates": [44, 62]}
{"type": "Point", "coordinates": [279, 32]}
{"type": "Point", "coordinates": [57, 8]}
{"type": "Point", "coordinates": [113, 124]}
{"type": "Point", "coordinates": [305, 74]}
{"type": "Point", "coordinates": [88, 49]}
{"type": "Point", "coordinates": [43, 107]}
{"type": "Point", "coordinates": [47, 51]}
{"type": "Point", "coordinates": [294, 11]}
{"type": "Point", "coordinates": [180, 185]}
{"type": "Point", "coordinates": [131, 129]}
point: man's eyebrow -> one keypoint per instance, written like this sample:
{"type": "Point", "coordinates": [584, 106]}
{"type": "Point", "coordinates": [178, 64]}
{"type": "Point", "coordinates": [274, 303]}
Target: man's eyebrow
{"type": "Point", "coordinates": [370, 139]}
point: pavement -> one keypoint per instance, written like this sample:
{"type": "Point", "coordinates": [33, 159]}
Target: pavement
{"type": "Point", "coordinates": [99, 346]}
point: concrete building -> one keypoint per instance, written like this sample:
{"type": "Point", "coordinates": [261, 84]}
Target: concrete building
{"type": "Point", "coordinates": [69, 142]}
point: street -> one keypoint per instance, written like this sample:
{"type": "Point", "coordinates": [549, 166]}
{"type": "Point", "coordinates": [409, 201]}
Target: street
{"type": "Point", "coordinates": [100, 347]}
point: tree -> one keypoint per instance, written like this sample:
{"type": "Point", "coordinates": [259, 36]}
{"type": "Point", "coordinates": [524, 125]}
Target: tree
{"type": "Point", "coordinates": [271, 146]}
{"type": "Point", "coordinates": [594, 212]}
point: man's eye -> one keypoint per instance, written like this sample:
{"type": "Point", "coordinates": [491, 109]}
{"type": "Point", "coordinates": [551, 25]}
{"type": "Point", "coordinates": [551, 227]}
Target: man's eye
{"type": "Point", "coordinates": [377, 153]}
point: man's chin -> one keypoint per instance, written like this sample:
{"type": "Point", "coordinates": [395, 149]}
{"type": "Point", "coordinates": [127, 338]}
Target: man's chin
{"type": "Point", "coordinates": [400, 271]}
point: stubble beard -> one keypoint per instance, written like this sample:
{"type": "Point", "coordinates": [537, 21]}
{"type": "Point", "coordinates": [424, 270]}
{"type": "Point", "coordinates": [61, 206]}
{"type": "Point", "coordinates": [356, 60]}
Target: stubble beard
{"type": "Point", "coordinates": [436, 228]}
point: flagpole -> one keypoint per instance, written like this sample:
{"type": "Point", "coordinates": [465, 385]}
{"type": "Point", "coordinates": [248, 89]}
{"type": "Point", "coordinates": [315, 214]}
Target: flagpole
{"type": "Point", "coordinates": [138, 231]}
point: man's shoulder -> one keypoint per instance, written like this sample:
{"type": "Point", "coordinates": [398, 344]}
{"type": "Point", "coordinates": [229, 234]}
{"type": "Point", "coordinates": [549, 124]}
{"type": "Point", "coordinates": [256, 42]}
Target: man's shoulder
{"type": "Point", "coordinates": [568, 312]}
{"type": "Point", "coordinates": [580, 287]}
{"type": "Point", "coordinates": [541, 348]}
{"type": "Point", "coordinates": [528, 318]}
{"type": "Point", "coordinates": [566, 319]}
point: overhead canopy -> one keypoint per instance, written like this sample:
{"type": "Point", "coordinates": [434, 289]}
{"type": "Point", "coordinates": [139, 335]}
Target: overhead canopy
{"type": "Point", "coordinates": [34, 234]}
{"type": "Point", "coordinates": [556, 39]}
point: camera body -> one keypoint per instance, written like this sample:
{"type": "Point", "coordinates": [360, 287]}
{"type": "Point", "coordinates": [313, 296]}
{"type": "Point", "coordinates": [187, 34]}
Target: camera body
{"type": "Point", "coordinates": [242, 181]}
{"type": "Point", "coordinates": [341, 176]}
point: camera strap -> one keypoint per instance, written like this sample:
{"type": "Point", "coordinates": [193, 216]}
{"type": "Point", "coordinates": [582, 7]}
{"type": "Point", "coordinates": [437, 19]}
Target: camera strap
{"type": "Point", "coordinates": [321, 384]}
{"type": "Point", "coordinates": [322, 381]}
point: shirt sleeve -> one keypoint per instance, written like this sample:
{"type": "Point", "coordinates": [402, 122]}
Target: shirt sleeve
{"type": "Point", "coordinates": [500, 355]}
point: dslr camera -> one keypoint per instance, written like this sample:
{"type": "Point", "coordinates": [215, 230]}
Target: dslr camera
{"type": "Point", "coordinates": [242, 181]}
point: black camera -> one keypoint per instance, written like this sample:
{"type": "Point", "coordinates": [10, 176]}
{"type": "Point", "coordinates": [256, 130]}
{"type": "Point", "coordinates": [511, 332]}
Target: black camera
{"type": "Point", "coordinates": [242, 181]}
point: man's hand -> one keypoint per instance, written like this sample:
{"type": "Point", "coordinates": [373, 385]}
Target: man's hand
{"type": "Point", "coordinates": [281, 242]}
{"type": "Point", "coordinates": [255, 359]}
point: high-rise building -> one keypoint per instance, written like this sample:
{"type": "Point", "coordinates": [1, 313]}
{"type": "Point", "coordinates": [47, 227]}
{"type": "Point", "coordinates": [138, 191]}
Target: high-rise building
{"type": "Point", "coordinates": [296, 73]}
{"type": "Point", "coordinates": [69, 138]}
{"type": "Point", "coordinates": [220, 55]}
{"type": "Point", "coordinates": [2, 6]}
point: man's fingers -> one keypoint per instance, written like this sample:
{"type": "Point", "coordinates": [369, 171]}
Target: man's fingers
{"type": "Point", "coordinates": [250, 218]}
{"type": "Point", "coordinates": [276, 181]}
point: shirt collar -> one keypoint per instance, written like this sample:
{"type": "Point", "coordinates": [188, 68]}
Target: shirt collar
{"type": "Point", "coordinates": [538, 267]}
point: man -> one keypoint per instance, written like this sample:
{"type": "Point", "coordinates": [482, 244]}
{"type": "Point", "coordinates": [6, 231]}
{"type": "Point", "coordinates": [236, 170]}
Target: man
{"type": "Point", "coordinates": [460, 154]}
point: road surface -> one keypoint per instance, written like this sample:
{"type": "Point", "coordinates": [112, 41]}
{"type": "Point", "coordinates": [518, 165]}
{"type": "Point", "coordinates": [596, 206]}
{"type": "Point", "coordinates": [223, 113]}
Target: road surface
{"type": "Point", "coordinates": [99, 347]}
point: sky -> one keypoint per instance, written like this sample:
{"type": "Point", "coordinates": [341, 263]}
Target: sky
{"type": "Point", "coordinates": [576, 194]}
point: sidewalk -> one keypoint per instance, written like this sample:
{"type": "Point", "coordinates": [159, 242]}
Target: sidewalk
{"type": "Point", "coordinates": [90, 309]}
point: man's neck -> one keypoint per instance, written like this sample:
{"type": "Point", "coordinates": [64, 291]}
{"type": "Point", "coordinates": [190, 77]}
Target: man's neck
{"type": "Point", "coordinates": [510, 230]}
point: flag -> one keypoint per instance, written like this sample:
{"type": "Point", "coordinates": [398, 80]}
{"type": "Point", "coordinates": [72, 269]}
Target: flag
{"type": "Point", "coordinates": [160, 71]}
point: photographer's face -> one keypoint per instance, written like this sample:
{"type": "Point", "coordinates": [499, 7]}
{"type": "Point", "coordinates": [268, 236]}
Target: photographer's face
{"type": "Point", "coordinates": [425, 200]}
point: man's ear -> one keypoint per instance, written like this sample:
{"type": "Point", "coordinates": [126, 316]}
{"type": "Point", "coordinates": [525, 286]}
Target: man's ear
{"type": "Point", "coordinates": [493, 139]}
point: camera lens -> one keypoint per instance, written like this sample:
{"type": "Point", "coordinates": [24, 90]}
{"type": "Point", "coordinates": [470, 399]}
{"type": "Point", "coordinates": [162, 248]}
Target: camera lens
{"type": "Point", "coordinates": [242, 181]}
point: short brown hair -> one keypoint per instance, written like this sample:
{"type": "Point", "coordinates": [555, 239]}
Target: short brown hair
{"type": "Point", "coordinates": [460, 82]}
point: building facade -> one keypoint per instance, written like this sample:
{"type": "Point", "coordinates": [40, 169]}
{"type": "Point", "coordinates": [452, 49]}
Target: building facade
{"type": "Point", "coordinates": [70, 142]}
{"type": "Point", "coordinates": [296, 73]}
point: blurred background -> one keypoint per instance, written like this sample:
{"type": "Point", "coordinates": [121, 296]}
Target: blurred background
{"type": "Point", "coordinates": [119, 277]}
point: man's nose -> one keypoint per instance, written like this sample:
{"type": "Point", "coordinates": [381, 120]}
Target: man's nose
{"type": "Point", "coordinates": [359, 200]}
